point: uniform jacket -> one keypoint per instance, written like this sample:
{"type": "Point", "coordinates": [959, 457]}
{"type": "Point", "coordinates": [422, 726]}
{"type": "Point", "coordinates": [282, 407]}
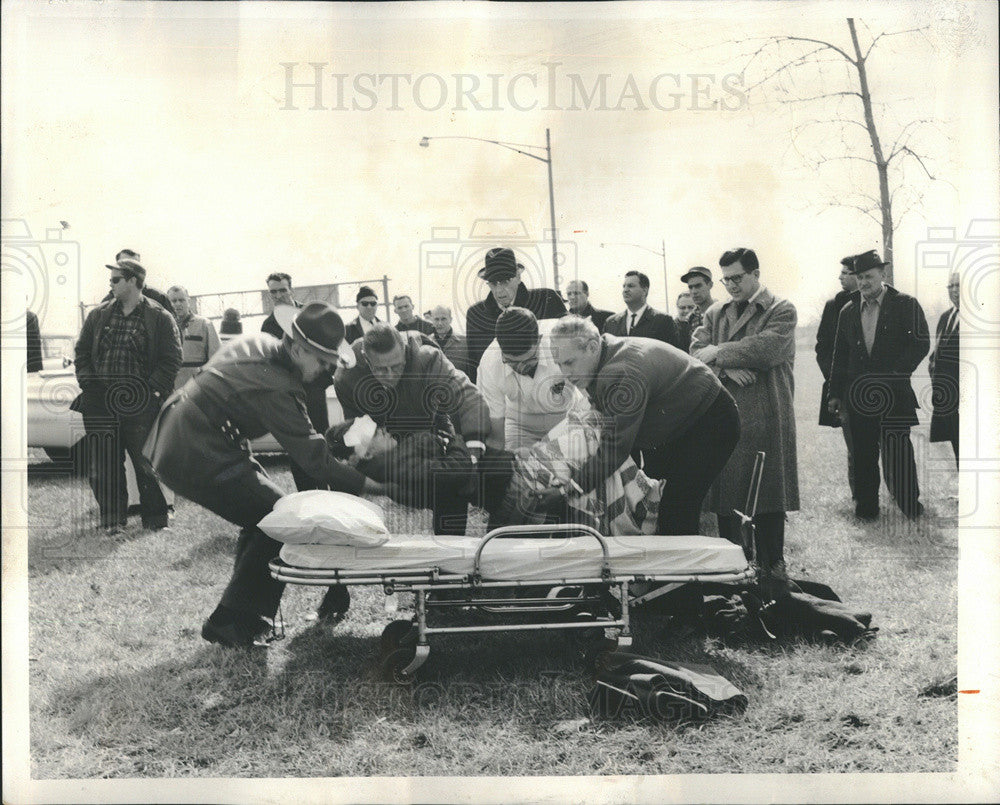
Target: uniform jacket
{"type": "Point", "coordinates": [430, 385]}
{"type": "Point", "coordinates": [826, 336]}
{"type": "Point", "coordinates": [199, 342]}
{"type": "Point", "coordinates": [481, 319]}
{"type": "Point", "coordinates": [647, 393]}
{"type": "Point", "coordinates": [879, 384]}
{"type": "Point", "coordinates": [315, 389]}
{"type": "Point", "coordinates": [455, 350]}
{"type": "Point", "coordinates": [944, 381]}
{"type": "Point", "coordinates": [652, 324]}
{"type": "Point", "coordinates": [252, 384]}
{"type": "Point", "coordinates": [354, 330]}
{"type": "Point", "coordinates": [163, 356]}
{"type": "Point", "coordinates": [599, 317]}
{"type": "Point", "coordinates": [762, 340]}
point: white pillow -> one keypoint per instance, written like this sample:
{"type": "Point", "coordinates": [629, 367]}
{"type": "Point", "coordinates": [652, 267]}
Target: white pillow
{"type": "Point", "coordinates": [321, 517]}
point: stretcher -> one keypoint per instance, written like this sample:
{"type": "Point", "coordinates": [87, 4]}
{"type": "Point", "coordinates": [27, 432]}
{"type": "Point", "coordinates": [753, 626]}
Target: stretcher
{"type": "Point", "coordinates": [526, 577]}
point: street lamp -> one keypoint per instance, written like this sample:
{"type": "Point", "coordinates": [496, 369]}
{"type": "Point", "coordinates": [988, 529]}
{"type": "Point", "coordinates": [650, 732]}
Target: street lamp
{"type": "Point", "coordinates": [547, 159]}
{"type": "Point", "coordinates": [662, 253]}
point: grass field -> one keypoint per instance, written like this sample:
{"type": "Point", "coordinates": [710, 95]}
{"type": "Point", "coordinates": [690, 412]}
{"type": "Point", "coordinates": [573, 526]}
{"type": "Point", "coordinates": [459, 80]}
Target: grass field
{"type": "Point", "coordinates": [123, 686]}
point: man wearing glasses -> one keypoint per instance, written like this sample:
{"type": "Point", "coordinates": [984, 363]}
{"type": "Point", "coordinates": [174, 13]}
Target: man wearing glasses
{"type": "Point", "coordinates": [127, 358]}
{"type": "Point", "coordinates": [502, 273]}
{"type": "Point", "coordinates": [523, 386]}
{"type": "Point", "coordinates": [367, 304]}
{"type": "Point", "coordinates": [279, 287]}
{"type": "Point", "coordinates": [749, 342]}
{"type": "Point", "coordinates": [405, 383]}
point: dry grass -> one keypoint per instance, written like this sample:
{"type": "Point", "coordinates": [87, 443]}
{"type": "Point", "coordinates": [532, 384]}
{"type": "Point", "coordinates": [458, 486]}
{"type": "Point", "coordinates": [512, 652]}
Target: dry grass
{"type": "Point", "coordinates": [122, 684]}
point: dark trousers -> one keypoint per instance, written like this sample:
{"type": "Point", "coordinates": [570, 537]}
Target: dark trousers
{"type": "Point", "coordinates": [845, 428]}
{"type": "Point", "coordinates": [690, 463]}
{"type": "Point", "coordinates": [873, 436]}
{"type": "Point", "coordinates": [244, 501]}
{"type": "Point", "coordinates": [117, 420]}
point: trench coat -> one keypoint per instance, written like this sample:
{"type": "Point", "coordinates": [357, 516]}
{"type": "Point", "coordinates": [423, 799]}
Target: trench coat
{"type": "Point", "coordinates": [762, 340]}
{"type": "Point", "coordinates": [944, 381]}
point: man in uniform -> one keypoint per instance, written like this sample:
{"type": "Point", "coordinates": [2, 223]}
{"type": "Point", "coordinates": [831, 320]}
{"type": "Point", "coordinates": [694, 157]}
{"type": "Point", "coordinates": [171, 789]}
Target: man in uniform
{"type": "Point", "coordinates": [406, 384]}
{"type": "Point", "coordinates": [639, 320]}
{"type": "Point", "coordinates": [199, 341]}
{"type": "Point", "coordinates": [524, 389]}
{"type": "Point", "coordinates": [200, 448]}
{"type": "Point", "coordinates": [502, 273]}
{"type": "Point", "coordinates": [127, 357]}
{"type": "Point", "coordinates": [578, 296]}
{"type": "Point", "coordinates": [826, 336]}
{"type": "Point", "coordinates": [881, 339]}
{"type": "Point", "coordinates": [408, 320]}
{"type": "Point", "coordinates": [279, 286]}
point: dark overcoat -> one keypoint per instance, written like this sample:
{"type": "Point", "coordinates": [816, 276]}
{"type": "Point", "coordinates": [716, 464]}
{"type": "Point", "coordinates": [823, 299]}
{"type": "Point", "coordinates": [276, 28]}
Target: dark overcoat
{"type": "Point", "coordinates": [878, 385]}
{"type": "Point", "coordinates": [826, 337]}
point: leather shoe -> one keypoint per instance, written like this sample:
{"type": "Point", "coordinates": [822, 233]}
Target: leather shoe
{"type": "Point", "coordinates": [335, 604]}
{"type": "Point", "coordinates": [866, 512]}
{"type": "Point", "coordinates": [237, 633]}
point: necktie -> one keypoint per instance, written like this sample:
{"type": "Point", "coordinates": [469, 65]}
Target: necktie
{"type": "Point", "coordinates": [741, 307]}
{"type": "Point", "coordinates": [869, 321]}
{"type": "Point", "coordinates": [631, 326]}
{"type": "Point", "coordinates": [952, 322]}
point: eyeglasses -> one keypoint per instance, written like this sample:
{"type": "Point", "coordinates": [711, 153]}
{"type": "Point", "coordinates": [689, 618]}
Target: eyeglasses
{"type": "Point", "coordinates": [735, 279]}
{"type": "Point", "coordinates": [116, 280]}
{"type": "Point", "coordinates": [368, 304]}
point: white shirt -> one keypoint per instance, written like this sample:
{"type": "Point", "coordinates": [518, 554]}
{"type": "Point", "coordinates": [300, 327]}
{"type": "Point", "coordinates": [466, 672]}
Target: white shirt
{"type": "Point", "coordinates": [638, 317]}
{"type": "Point", "coordinates": [367, 325]}
{"type": "Point", "coordinates": [529, 406]}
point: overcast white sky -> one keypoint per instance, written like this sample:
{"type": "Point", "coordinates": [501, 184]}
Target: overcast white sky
{"type": "Point", "coordinates": [161, 127]}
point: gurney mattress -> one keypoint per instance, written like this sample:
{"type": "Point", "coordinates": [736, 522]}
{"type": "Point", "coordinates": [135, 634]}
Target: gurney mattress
{"type": "Point", "coordinates": [526, 558]}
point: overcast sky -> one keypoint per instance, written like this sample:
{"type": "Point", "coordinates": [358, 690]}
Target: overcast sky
{"type": "Point", "coordinates": [166, 128]}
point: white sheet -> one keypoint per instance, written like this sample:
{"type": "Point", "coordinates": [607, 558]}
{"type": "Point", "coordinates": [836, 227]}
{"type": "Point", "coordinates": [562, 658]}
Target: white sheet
{"type": "Point", "coordinates": [528, 559]}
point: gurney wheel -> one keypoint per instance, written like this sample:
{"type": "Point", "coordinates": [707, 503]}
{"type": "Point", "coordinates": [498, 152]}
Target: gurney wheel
{"type": "Point", "coordinates": [394, 634]}
{"type": "Point", "coordinates": [393, 664]}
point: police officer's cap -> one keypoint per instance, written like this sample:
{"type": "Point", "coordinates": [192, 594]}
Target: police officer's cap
{"type": "Point", "coordinates": [317, 326]}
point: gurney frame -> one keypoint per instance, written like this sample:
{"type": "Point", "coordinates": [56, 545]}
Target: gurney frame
{"type": "Point", "coordinates": [405, 648]}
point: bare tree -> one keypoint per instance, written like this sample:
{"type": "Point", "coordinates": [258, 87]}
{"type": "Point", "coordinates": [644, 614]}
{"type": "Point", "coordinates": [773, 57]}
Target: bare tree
{"type": "Point", "coordinates": [853, 109]}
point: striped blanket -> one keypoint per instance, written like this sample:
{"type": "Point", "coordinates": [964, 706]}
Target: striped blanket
{"type": "Point", "coordinates": [626, 503]}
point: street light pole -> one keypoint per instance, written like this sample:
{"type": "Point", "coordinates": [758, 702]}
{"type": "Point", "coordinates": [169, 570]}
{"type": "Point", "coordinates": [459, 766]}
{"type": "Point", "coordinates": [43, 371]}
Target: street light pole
{"type": "Point", "coordinates": [547, 159]}
{"type": "Point", "coordinates": [662, 253]}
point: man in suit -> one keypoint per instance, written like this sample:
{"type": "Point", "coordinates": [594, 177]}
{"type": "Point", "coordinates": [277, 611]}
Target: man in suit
{"type": "Point", "coordinates": [749, 342]}
{"type": "Point", "coordinates": [944, 372]}
{"type": "Point", "coordinates": [367, 303]}
{"type": "Point", "coordinates": [826, 335]}
{"type": "Point", "coordinates": [639, 320]}
{"type": "Point", "coordinates": [578, 296]}
{"type": "Point", "coordinates": [408, 320]}
{"type": "Point", "coordinates": [654, 397]}
{"type": "Point", "coordinates": [502, 273]}
{"type": "Point", "coordinates": [279, 286]}
{"type": "Point", "coordinates": [699, 283]}
{"type": "Point", "coordinates": [451, 343]}
{"type": "Point", "coordinates": [881, 339]}
{"type": "Point", "coordinates": [404, 382]}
